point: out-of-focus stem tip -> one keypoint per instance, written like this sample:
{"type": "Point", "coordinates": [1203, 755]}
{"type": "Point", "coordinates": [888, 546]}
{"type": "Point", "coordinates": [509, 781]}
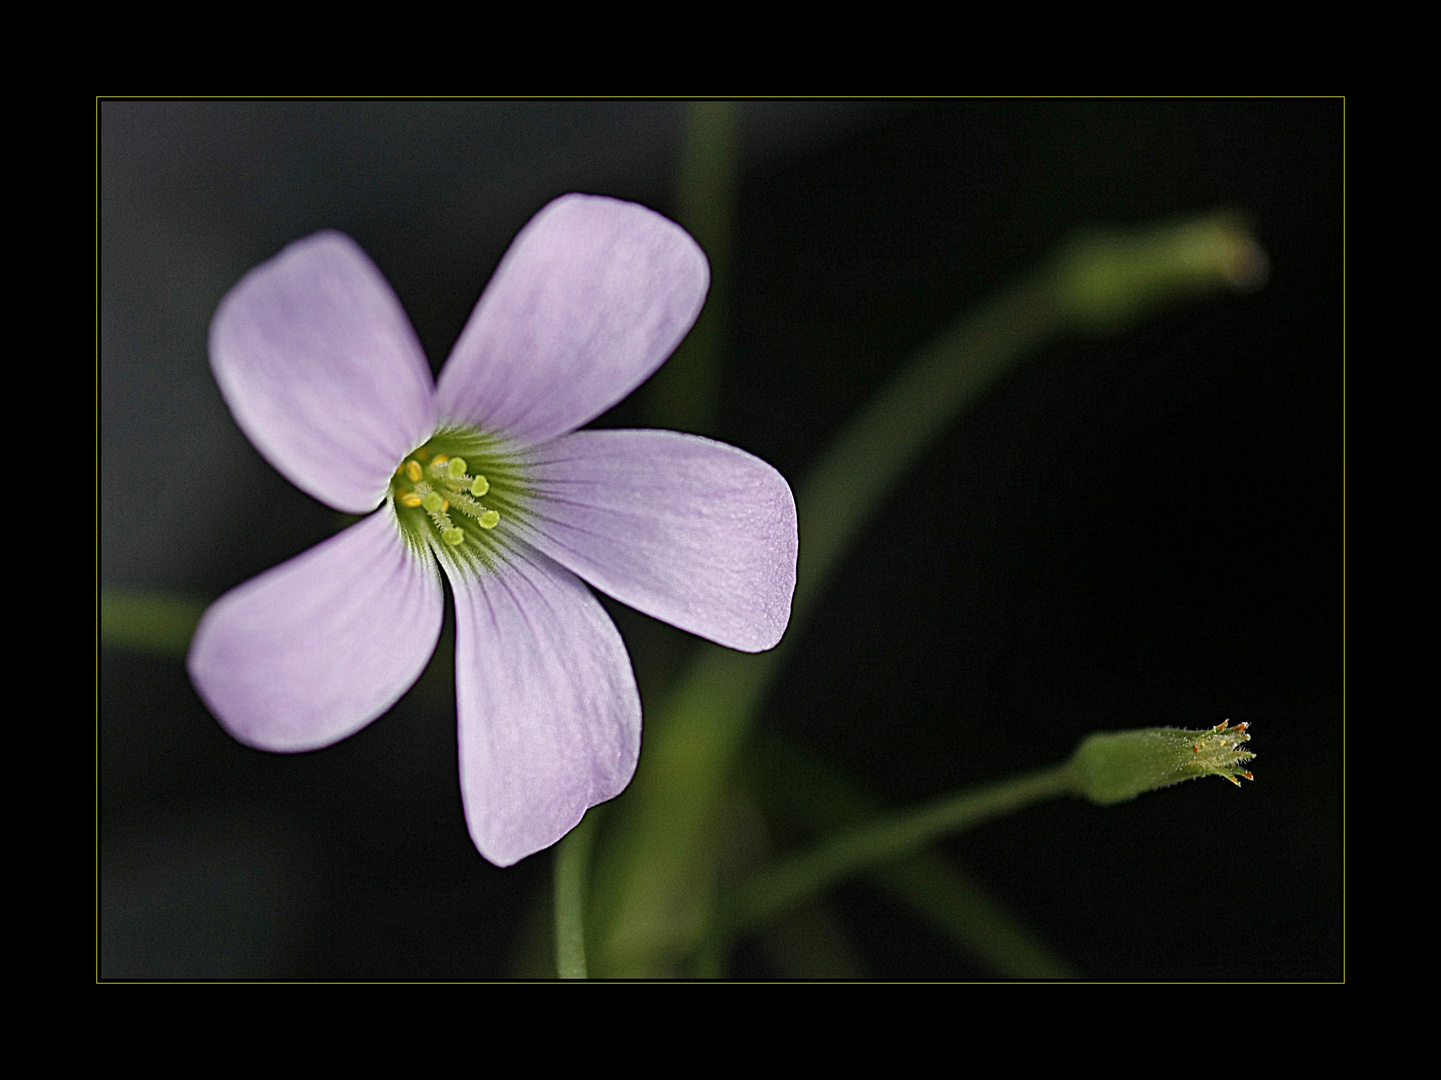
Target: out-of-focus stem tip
{"type": "Point", "coordinates": [1105, 281]}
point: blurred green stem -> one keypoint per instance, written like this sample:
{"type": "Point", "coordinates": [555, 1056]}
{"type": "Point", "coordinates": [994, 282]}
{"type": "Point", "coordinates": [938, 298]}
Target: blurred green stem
{"type": "Point", "coordinates": [151, 622]}
{"type": "Point", "coordinates": [685, 393]}
{"type": "Point", "coordinates": [656, 870]}
{"type": "Point", "coordinates": [812, 873]}
{"type": "Point", "coordinates": [572, 869]}
{"type": "Point", "coordinates": [804, 791]}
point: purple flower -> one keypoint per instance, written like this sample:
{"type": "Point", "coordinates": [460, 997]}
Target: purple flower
{"type": "Point", "coordinates": [485, 474]}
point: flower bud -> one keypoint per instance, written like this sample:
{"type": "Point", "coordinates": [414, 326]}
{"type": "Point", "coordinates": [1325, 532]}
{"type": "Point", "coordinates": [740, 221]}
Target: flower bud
{"type": "Point", "coordinates": [1111, 767]}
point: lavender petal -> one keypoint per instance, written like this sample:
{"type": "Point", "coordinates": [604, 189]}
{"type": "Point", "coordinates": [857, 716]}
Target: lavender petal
{"type": "Point", "coordinates": [592, 297]}
{"type": "Point", "coordinates": [548, 708]}
{"type": "Point", "coordinates": [322, 371]}
{"type": "Point", "coordinates": [691, 531]}
{"type": "Point", "coordinates": [312, 651]}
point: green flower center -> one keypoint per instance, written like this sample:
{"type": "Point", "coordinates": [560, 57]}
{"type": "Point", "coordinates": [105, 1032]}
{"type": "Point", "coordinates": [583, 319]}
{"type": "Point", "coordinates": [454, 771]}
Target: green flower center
{"type": "Point", "coordinates": [460, 495]}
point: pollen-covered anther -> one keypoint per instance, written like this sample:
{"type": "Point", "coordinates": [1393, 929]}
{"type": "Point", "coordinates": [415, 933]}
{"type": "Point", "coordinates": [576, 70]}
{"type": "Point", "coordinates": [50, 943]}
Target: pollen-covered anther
{"type": "Point", "coordinates": [410, 499]}
{"type": "Point", "coordinates": [412, 471]}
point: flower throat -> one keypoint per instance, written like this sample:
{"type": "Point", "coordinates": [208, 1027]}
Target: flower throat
{"type": "Point", "coordinates": [455, 493]}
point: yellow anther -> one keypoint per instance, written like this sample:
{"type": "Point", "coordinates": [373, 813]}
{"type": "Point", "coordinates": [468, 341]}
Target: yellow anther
{"type": "Point", "coordinates": [412, 470]}
{"type": "Point", "coordinates": [479, 486]}
{"type": "Point", "coordinates": [444, 505]}
{"type": "Point", "coordinates": [423, 453]}
{"type": "Point", "coordinates": [440, 459]}
{"type": "Point", "coordinates": [453, 536]}
{"type": "Point", "coordinates": [410, 498]}
{"type": "Point", "coordinates": [489, 519]}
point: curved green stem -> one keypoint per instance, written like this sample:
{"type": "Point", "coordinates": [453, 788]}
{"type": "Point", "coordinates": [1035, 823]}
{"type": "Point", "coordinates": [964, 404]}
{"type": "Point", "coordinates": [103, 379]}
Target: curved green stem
{"type": "Point", "coordinates": [806, 793]}
{"type": "Point", "coordinates": [813, 872]}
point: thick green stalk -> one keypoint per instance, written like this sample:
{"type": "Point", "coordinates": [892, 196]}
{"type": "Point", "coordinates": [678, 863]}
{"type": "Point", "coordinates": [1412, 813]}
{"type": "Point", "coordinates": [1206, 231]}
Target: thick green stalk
{"type": "Point", "coordinates": [572, 871]}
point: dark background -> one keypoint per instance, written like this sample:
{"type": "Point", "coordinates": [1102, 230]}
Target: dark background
{"type": "Point", "coordinates": [1139, 530]}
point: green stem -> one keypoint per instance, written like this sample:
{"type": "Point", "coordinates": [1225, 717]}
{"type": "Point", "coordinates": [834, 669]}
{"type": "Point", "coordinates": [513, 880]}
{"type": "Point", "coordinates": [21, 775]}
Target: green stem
{"type": "Point", "coordinates": [572, 869]}
{"type": "Point", "coordinates": [833, 860]}
{"type": "Point", "coordinates": [685, 393]}
{"type": "Point", "coordinates": [148, 621]}
{"type": "Point", "coordinates": [859, 469]}
{"type": "Point", "coordinates": [805, 792]}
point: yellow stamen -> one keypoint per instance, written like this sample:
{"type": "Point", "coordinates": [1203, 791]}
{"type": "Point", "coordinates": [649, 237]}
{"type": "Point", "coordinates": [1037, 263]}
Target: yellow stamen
{"type": "Point", "coordinates": [410, 498]}
{"type": "Point", "coordinates": [412, 470]}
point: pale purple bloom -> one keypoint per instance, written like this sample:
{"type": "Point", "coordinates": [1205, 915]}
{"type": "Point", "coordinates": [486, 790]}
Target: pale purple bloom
{"type": "Point", "coordinates": [323, 372]}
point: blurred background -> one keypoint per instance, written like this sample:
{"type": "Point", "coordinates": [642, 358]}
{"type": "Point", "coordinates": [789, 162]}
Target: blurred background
{"type": "Point", "coordinates": [1136, 530]}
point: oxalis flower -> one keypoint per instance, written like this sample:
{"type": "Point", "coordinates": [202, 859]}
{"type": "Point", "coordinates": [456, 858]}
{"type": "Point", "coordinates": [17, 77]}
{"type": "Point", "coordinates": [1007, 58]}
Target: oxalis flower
{"type": "Point", "coordinates": [484, 475]}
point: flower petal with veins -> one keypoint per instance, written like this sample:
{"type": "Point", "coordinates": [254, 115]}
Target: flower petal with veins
{"type": "Point", "coordinates": [549, 713]}
{"type": "Point", "coordinates": [313, 650]}
{"type": "Point", "coordinates": [688, 530]}
{"type": "Point", "coordinates": [591, 298]}
{"type": "Point", "coordinates": [321, 369]}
